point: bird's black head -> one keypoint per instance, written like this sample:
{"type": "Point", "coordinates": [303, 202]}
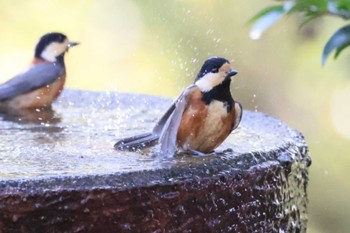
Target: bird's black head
{"type": "Point", "coordinates": [52, 45]}
{"type": "Point", "coordinates": [214, 72]}
{"type": "Point", "coordinates": [211, 65]}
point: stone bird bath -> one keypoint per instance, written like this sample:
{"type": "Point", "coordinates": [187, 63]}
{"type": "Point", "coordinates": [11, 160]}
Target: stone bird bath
{"type": "Point", "coordinates": [60, 173]}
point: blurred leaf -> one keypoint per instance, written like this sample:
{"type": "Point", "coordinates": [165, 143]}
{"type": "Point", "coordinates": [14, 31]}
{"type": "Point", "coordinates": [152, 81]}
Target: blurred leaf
{"type": "Point", "coordinates": [338, 41]}
{"type": "Point", "coordinates": [343, 8]}
{"type": "Point", "coordinates": [264, 20]}
{"type": "Point", "coordinates": [265, 12]}
{"type": "Point", "coordinates": [311, 9]}
{"type": "Point", "coordinates": [309, 19]}
{"type": "Point", "coordinates": [344, 5]}
{"type": "Point", "coordinates": [338, 50]}
{"type": "Point", "coordinates": [310, 6]}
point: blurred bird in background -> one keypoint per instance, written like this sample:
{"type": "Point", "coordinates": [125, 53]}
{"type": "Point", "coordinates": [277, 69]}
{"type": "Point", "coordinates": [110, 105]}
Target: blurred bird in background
{"type": "Point", "coordinates": [43, 81]}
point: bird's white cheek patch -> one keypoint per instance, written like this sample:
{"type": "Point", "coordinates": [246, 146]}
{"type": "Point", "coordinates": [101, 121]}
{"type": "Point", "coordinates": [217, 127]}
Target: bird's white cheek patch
{"type": "Point", "coordinates": [208, 81]}
{"type": "Point", "coordinates": [53, 50]}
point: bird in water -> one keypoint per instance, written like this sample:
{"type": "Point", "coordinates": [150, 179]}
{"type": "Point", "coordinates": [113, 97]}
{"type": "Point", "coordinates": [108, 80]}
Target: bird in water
{"type": "Point", "coordinates": [200, 119]}
{"type": "Point", "coordinates": [43, 81]}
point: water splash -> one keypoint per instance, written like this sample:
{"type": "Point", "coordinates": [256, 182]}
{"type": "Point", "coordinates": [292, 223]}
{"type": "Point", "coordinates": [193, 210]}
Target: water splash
{"type": "Point", "coordinates": [81, 142]}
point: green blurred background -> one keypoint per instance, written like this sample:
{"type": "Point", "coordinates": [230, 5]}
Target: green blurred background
{"type": "Point", "coordinates": [156, 47]}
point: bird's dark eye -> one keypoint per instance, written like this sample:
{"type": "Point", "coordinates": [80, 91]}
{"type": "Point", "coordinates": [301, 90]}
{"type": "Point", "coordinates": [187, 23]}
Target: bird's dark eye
{"type": "Point", "coordinates": [211, 70]}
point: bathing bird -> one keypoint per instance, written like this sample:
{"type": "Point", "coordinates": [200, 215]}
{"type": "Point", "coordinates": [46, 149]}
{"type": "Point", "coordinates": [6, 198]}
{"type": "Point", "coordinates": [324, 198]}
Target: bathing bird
{"type": "Point", "coordinates": [43, 81]}
{"type": "Point", "coordinates": [199, 120]}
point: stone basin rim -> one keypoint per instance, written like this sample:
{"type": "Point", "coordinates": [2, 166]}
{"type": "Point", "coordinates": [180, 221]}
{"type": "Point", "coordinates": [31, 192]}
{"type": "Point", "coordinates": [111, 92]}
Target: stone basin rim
{"type": "Point", "coordinates": [224, 166]}
{"type": "Point", "coordinates": [220, 165]}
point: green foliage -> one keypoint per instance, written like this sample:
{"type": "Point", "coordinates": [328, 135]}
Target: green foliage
{"type": "Point", "coordinates": [310, 9]}
{"type": "Point", "coordinates": [266, 12]}
{"type": "Point", "coordinates": [338, 41]}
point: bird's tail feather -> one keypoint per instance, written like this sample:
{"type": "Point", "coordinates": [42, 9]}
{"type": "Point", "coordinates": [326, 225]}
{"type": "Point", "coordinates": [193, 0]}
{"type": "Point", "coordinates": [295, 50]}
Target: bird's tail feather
{"type": "Point", "coordinates": [138, 142]}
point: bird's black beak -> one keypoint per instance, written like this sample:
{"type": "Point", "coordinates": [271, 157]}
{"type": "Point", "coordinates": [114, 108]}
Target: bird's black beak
{"type": "Point", "coordinates": [231, 73]}
{"type": "Point", "coordinates": [72, 44]}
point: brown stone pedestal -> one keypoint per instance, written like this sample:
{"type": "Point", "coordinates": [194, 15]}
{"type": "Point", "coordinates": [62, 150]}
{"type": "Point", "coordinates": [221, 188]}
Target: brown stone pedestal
{"type": "Point", "coordinates": [64, 176]}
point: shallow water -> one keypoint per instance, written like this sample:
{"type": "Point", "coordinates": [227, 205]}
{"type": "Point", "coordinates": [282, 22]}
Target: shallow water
{"type": "Point", "coordinates": [77, 138]}
{"type": "Point", "coordinates": [59, 172]}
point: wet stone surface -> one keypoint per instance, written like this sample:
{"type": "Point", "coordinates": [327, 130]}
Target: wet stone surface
{"type": "Point", "coordinates": [61, 174]}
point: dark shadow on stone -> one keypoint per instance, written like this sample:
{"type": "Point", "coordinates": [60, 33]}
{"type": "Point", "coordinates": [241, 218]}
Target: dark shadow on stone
{"type": "Point", "coordinates": [31, 116]}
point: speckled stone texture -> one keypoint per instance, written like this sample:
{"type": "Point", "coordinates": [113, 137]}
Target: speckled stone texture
{"type": "Point", "coordinates": [245, 187]}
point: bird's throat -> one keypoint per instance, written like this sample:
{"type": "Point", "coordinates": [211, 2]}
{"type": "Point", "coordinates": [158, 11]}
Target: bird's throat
{"type": "Point", "coordinates": [220, 93]}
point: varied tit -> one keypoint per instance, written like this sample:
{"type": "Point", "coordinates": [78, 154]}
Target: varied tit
{"type": "Point", "coordinates": [200, 119]}
{"type": "Point", "coordinates": [43, 81]}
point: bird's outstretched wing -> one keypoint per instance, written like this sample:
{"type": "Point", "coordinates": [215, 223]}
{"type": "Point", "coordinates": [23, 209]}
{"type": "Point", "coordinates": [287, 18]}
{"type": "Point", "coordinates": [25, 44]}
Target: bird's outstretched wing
{"type": "Point", "coordinates": [168, 135]}
{"type": "Point", "coordinates": [164, 132]}
{"type": "Point", "coordinates": [36, 76]}
{"type": "Point", "coordinates": [239, 112]}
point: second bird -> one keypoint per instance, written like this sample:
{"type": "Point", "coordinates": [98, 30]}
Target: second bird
{"type": "Point", "coordinates": [43, 81]}
{"type": "Point", "coordinates": [200, 119]}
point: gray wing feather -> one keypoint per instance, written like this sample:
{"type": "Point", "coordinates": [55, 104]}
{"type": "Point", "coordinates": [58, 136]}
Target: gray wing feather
{"type": "Point", "coordinates": [157, 130]}
{"type": "Point", "coordinates": [37, 76]}
{"type": "Point", "coordinates": [239, 113]}
{"type": "Point", "coordinates": [164, 132]}
{"type": "Point", "coordinates": [167, 138]}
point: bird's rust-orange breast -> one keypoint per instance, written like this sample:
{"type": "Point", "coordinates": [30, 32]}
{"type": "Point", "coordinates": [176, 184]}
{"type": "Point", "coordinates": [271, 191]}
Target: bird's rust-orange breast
{"type": "Point", "coordinates": [204, 127]}
{"type": "Point", "coordinates": [193, 118]}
